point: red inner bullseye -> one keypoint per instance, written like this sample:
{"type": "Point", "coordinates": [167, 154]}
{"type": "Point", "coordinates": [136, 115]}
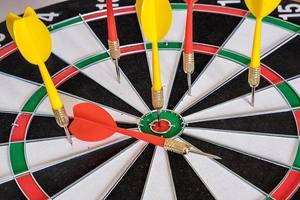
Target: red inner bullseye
{"type": "Point", "coordinates": [161, 126]}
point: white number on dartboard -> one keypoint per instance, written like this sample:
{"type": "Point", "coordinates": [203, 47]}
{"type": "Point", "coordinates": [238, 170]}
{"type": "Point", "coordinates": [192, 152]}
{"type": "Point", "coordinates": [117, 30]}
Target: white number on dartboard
{"type": "Point", "coordinates": [225, 2]}
{"type": "Point", "coordinates": [290, 10]}
{"type": "Point", "coordinates": [48, 17]}
{"type": "Point", "coordinates": [2, 38]}
{"type": "Point", "coordinates": [101, 5]}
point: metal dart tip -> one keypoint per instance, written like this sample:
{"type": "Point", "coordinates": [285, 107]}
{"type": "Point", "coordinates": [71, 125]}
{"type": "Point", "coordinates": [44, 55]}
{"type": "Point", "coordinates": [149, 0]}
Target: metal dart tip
{"type": "Point", "coordinates": [252, 96]}
{"type": "Point", "coordinates": [118, 70]}
{"type": "Point", "coordinates": [189, 81]}
{"type": "Point", "coordinates": [158, 115]}
{"type": "Point", "coordinates": [69, 138]}
{"type": "Point", "coordinates": [197, 151]}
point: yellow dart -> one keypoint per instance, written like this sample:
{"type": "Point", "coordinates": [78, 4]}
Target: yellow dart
{"type": "Point", "coordinates": [155, 17]}
{"type": "Point", "coordinates": [260, 9]}
{"type": "Point", "coordinates": [34, 43]}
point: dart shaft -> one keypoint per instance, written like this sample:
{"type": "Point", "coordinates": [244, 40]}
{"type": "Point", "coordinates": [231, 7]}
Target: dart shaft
{"type": "Point", "coordinates": [157, 86]}
{"type": "Point", "coordinates": [255, 59]}
{"type": "Point", "coordinates": [54, 98]}
{"type": "Point", "coordinates": [111, 24]}
{"type": "Point", "coordinates": [188, 40]}
{"type": "Point", "coordinates": [139, 135]}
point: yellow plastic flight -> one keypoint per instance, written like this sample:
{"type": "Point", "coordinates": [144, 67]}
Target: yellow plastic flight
{"type": "Point", "coordinates": [260, 9]}
{"type": "Point", "coordinates": [155, 17]}
{"type": "Point", "coordinates": [34, 43]}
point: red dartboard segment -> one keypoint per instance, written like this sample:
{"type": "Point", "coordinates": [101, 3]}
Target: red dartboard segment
{"type": "Point", "coordinates": [220, 10]}
{"type": "Point", "coordinates": [30, 188]}
{"type": "Point", "coordinates": [7, 50]}
{"type": "Point", "coordinates": [288, 186]}
{"type": "Point", "coordinates": [65, 75]}
{"type": "Point", "coordinates": [96, 15]}
{"type": "Point", "coordinates": [138, 48]}
{"type": "Point", "coordinates": [270, 75]}
{"type": "Point", "coordinates": [297, 117]}
{"type": "Point", "coordinates": [20, 127]}
{"type": "Point", "coordinates": [206, 49]}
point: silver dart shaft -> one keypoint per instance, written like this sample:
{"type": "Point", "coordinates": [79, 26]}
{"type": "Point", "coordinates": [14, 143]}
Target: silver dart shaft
{"type": "Point", "coordinates": [118, 70]}
{"type": "Point", "coordinates": [69, 138]}
{"type": "Point", "coordinates": [252, 96]}
{"type": "Point", "coordinates": [189, 81]}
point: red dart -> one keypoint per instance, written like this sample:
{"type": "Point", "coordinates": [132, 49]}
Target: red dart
{"type": "Point", "coordinates": [188, 54]}
{"type": "Point", "coordinates": [113, 41]}
{"type": "Point", "coordinates": [93, 123]}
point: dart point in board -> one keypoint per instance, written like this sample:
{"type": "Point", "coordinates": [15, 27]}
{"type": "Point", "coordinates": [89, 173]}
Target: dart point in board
{"type": "Point", "coordinates": [34, 43]}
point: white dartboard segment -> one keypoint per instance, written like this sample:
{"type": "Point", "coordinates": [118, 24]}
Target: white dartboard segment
{"type": "Point", "coordinates": [41, 154]}
{"type": "Point", "coordinates": [159, 183]}
{"type": "Point", "coordinates": [105, 75]}
{"type": "Point", "coordinates": [266, 101]}
{"type": "Point", "coordinates": [14, 93]}
{"type": "Point", "coordinates": [177, 29]}
{"type": "Point", "coordinates": [273, 148]}
{"type": "Point", "coordinates": [215, 74]}
{"type": "Point", "coordinates": [168, 67]}
{"type": "Point", "coordinates": [271, 36]}
{"type": "Point", "coordinates": [74, 43]}
{"type": "Point", "coordinates": [222, 183]}
{"type": "Point", "coordinates": [295, 83]}
{"type": "Point", "coordinates": [5, 172]}
{"type": "Point", "coordinates": [70, 101]}
{"type": "Point", "coordinates": [99, 183]}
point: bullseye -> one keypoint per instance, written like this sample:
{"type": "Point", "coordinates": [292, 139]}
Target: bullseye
{"type": "Point", "coordinates": [161, 126]}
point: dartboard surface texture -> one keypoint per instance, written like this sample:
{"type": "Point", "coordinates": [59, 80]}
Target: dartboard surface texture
{"type": "Point", "coordinates": [259, 145]}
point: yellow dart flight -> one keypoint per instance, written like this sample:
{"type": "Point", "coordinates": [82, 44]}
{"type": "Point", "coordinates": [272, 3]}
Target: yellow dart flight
{"type": "Point", "coordinates": [260, 9]}
{"type": "Point", "coordinates": [155, 17]}
{"type": "Point", "coordinates": [34, 43]}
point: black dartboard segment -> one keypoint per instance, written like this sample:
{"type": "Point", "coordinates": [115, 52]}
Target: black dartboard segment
{"type": "Point", "coordinates": [139, 170]}
{"type": "Point", "coordinates": [28, 147]}
{"type": "Point", "coordinates": [262, 124]}
{"type": "Point", "coordinates": [16, 65]}
{"type": "Point", "coordinates": [7, 121]}
{"type": "Point", "coordinates": [277, 63]}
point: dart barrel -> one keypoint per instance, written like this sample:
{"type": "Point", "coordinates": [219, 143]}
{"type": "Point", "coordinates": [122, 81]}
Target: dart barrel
{"type": "Point", "coordinates": [114, 49]}
{"type": "Point", "coordinates": [61, 117]}
{"type": "Point", "coordinates": [188, 63]}
{"type": "Point", "coordinates": [176, 146]}
{"type": "Point", "coordinates": [254, 77]}
{"type": "Point", "coordinates": [158, 99]}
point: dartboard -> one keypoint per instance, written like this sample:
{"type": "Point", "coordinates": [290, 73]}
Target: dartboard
{"type": "Point", "coordinates": [258, 145]}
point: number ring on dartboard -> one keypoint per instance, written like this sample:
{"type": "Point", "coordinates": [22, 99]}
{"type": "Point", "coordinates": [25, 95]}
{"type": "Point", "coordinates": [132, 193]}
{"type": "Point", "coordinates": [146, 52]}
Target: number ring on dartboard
{"type": "Point", "coordinates": [217, 118]}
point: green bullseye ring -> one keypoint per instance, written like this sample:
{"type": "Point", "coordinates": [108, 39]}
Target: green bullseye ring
{"type": "Point", "coordinates": [176, 122]}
